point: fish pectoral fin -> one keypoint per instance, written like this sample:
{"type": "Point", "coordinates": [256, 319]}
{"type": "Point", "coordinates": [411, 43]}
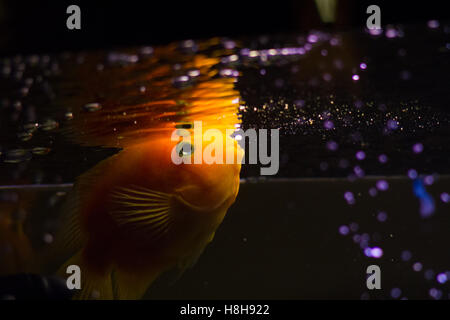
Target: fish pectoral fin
{"type": "Point", "coordinates": [141, 209]}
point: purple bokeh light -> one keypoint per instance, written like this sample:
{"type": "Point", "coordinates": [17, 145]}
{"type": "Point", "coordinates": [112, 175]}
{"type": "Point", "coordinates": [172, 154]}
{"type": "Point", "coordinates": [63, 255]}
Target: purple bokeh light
{"type": "Point", "coordinates": [396, 293]}
{"type": "Point", "coordinates": [359, 172]}
{"type": "Point", "coordinates": [349, 197]}
{"type": "Point", "coordinates": [435, 293]}
{"type": "Point", "coordinates": [312, 38]}
{"type": "Point", "coordinates": [328, 125]}
{"type": "Point", "coordinates": [391, 33]}
{"type": "Point", "coordinates": [332, 145]}
{"type": "Point", "coordinates": [344, 230]}
{"type": "Point", "coordinates": [445, 197]}
{"type": "Point", "coordinates": [392, 124]}
{"type": "Point", "coordinates": [382, 185]}
{"type": "Point", "coordinates": [417, 148]}
{"type": "Point", "coordinates": [428, 180]}
{"type": "Point", "coordinates": [375, 252]}
{"type": "Point", "coordinates": [433, 24]}
{"type": "Point", "coordinates": [382, 158]}
{"type": "Point", "coordinates": [406, 255]}
{"type": "Point", "coordinates": [360, 155]}
{"type": "Point", "coordinates": [412, 174]}
{"type": "Point", "coordinates": [382, 216]}
{"type": "Point", "coordinates": [417, 266]}
{"type": "Point", "coordinates": [441, 278]}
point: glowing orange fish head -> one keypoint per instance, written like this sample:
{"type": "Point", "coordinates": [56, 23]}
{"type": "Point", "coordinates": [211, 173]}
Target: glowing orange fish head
{"type": "Point", "coordinates": [209, 174]}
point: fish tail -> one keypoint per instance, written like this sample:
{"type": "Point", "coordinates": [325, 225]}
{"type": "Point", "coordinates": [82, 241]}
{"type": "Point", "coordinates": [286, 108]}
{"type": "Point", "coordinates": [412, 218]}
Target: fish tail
{"type": "Point", "coordinates": [132, 285]}
{"type": "Point", "coordinates": [16, 252]}
{"type": "Point", "coordinates": [94, 285]}
{"type": "Point", "coordinates": [70, 244]}
{"type": "Point", "coordinates": [112, 284]}
{"type": "Point", "coordinates": [69, 238]}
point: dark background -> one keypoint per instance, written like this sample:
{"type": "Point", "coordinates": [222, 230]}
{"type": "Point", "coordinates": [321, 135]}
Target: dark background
{"type": "Point", "coordinates": [40, 26]}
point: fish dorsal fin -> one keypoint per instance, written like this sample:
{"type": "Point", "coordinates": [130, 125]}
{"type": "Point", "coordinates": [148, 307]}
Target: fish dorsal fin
{"type": "Point", "coordinates": [142, 209]}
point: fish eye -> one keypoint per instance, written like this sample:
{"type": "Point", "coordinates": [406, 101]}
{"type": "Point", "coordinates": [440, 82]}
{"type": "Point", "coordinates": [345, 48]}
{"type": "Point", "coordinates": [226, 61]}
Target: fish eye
{"type": "Point", "coordinates": [186, 125]}
{"type": "Point", "coordinates": [184, 149]}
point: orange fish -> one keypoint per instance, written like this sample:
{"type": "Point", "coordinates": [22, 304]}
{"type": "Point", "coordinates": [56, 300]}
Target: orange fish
{"type": "Point", "coordinates": [138, 214]}
{"type": "Point", "coordinates": [15, 248]}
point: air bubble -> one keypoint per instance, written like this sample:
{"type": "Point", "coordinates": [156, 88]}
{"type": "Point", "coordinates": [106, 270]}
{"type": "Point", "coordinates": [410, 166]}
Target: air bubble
{"type": "Point", "coordinates": [92, 107]}
{"type": "Point", "coordinates": [49, 125]}
{"type": "Point", "coordinates": [17, 156]}
{"type": "Point", "coordinates": [40, 150]}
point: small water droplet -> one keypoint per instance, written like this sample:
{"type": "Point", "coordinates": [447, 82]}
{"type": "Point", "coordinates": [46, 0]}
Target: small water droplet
{"type": "Point", "coordinates": [181, 81]}
{"type": "Point", "coordinates": [25, 136]}
{"type": "Point", "coordinates": [40, 150]}
{"type": "Point", "coordinates": [229, 73]}
{"type": "Point", "coordinates": [188, 46]}
{"type": "Point", "coordinates": [49, 125]}
{"type": "Point", "coordinates": [48, 238]}
{"type": "Point", "coordinates": [147, 51]}
{"type": "Point", "coordinates": [186, 125]}
{"type": "Point", "coordinates": [17, 155]}
{"type": "Point", "coordinates": [193, 72]}
{"type": "Point", "coordinates": [122, 58]}
{"type": "Point", "coordinates": [68, 116]}
{"type": "Point", "coordinates": [92, 107]}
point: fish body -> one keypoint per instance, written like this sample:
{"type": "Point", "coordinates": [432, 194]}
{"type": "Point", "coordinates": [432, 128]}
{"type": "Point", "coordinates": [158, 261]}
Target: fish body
{"type": "Point", "coordinates": [138, 214]}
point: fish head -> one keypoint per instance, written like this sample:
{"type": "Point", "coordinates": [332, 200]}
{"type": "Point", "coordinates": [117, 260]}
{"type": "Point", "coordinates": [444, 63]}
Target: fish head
{"type": "Point", "coordinates": [213, 181]}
